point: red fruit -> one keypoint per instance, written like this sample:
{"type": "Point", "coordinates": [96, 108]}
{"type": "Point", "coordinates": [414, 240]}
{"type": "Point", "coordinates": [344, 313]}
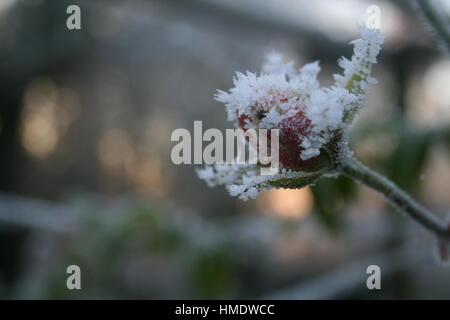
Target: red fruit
{"type": "Point", "coordinates": [292, 132]}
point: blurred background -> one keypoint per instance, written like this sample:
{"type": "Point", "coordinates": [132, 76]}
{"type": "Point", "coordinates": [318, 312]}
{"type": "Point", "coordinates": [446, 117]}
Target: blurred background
{"type": "Point", "coordinates": [86, 176]}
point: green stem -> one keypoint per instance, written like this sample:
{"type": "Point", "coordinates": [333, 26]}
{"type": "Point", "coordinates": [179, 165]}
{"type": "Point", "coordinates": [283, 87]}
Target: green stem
{"type": "Point", "coordinates": [398, 198]}
{"type": "Point", "coordinates": [442, 30]}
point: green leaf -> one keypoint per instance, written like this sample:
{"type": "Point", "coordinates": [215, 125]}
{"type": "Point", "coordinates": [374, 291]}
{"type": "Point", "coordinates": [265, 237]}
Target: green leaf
{"type": "Point", "coordinates": [330, 197]}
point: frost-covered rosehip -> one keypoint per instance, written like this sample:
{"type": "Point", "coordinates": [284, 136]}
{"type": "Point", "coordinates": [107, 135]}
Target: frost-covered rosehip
{"type": "Point", "coordinates": [312, 121]}
{"type": "Point", "coordinates": [292, 132]}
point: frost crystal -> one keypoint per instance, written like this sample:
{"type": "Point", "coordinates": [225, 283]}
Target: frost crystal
{"type": "Point", "coordinates": [275, 65]}
{"type": "Point", "coordinates": [313, 121]}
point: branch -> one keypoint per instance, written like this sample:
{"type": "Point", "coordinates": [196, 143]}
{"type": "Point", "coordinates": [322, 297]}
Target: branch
{"type": "Point", "coordinates": [37, 214]}
{"type": "Point", "coordinates": [398, 198]}
{"type": "Point", "coordinates": [343, 280]}
{"type": "Point", "coordinates": [433, 18]}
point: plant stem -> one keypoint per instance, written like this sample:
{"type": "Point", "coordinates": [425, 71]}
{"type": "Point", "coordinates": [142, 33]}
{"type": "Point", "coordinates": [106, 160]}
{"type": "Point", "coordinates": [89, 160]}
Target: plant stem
{"type": "Point", "coordinates": [398, 198]}
{"type": "Point", "coordinates": [433, 18]}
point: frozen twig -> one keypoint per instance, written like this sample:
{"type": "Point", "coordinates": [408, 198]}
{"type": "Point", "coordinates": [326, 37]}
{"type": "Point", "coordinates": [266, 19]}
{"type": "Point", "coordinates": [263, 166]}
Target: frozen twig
{"type": "Point", "coordinates": [431, 15]}
{"type": "Point", "coordinates": [398, 198]}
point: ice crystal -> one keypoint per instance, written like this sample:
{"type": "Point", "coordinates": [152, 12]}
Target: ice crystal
{"type": "Point", "coordinates": [312, 120]}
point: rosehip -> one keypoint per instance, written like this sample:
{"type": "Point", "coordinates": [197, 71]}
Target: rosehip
{"type": "Point", "coordinates": [292, 132]}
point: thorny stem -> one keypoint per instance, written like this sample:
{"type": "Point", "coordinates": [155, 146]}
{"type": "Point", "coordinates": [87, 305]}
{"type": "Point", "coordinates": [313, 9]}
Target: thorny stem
{"type": "Point", "coordinates": [398, 198]}
{"type": "Point", "coordinates": [433, 18]}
